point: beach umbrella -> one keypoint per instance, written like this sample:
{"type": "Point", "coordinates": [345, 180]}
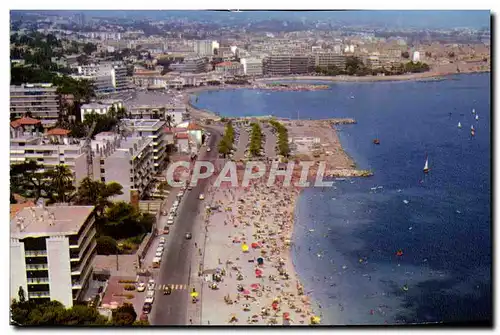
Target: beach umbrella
{"type": "Point", "coordinates": [260, 261]}
{"type": "Point", "coordinates": [194, 294]}
{"type": "Point", "coordinates": [315, 320]}
{"type": "Point", "coordinates": [286, 316]}
{"type": "Point", "coordinates": [399, 252]}
{"type": "Point", "coordinates": [275, 305]}
{"type": "Point", "coordinates": [258, 272]}
{"type": "Point", "coordinates": [255, 245]}
{"type": "Point", "coordinates": [255, 286]}
{"type": "Point", "coordinates": [246, 292]}
{"type": "Point", "coordinates": [244, 247]}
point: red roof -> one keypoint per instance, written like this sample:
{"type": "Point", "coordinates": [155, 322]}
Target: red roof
{"type": "Point", "coordinates": [24, 121]}
{"type": "Point", "coordinates": [58, 131]}
{"type": "Point", "coordinates": [193, 126]}
{"type": "Point", "coordinates": [182, 136]}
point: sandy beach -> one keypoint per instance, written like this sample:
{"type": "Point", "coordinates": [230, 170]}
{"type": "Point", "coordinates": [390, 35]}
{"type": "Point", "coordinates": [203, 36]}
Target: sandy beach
{"type": "Point", "coordinates": [247, 256]}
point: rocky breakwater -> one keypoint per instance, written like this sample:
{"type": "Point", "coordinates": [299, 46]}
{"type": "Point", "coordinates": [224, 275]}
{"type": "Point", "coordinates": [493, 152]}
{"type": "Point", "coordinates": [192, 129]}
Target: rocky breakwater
{"type": "Point", "coordinates": [292, 87]}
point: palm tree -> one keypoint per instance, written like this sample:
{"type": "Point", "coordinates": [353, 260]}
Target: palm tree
{"type": "Point", "coordinates": [169, 120]}
{"type": "Point", "coordinates": [97, 193]}
{"type": "Point", "coordinates": [61, 183]}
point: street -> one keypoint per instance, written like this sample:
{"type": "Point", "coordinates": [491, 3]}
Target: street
{"type": "Point", "coordinates": [175, 267]}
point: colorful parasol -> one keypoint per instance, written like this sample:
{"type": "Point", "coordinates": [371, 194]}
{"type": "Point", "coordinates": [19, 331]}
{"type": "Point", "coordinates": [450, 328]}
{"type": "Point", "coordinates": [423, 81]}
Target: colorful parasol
{"type": "Point", "coordinates": [194, 294]}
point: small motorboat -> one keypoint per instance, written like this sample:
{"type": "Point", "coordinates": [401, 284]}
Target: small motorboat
{"type": "Point", "coordinates": [376, 141]}
{"type": "Point", "coordinates": [459, 125]}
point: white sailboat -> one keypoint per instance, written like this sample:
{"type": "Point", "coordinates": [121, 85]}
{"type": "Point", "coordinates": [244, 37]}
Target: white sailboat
{"type": "Point", "coordinates": [472, 127]}
{"type": "Point", "coordinates": [473, 111]}
{"type": "Point", "coordinates": [459, 125]}
{"type": "Point", "coordinates": [477, 117]}
{"type": "Point", "coordinates": [426, 166]}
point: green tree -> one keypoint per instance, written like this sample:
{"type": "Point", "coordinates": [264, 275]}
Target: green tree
{"type": "Point", "coordinates": [27, 181]}
{"type": "Point", "coordinates": [124, 315]}
{"type": "Point", "coordinates": [21, 295]}
{"type": "Point", "coordinates": [88, 48]}
{"type": "Point", "coordinates": [97, 193]}
{"type": "Point", "coordinates": [169, 120]}
{"type": "Point", "coordinates": [405, 54]}
{"type": "Point", "coordinates": [61, 183]}
{"type": "Point", "coordinates": [106, 245]}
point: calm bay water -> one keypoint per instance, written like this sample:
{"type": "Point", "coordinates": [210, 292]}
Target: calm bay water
{"type": "Point", "coordinates": [346, 237]}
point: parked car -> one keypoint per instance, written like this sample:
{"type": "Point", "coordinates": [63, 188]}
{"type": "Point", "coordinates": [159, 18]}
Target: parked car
{"type": "Point", "coordinates": [162, 239]}
{"type": "Point", "coordinates": [170, 222]}
{"type": "Point", "coordinates": [188, 236]}
{"type": "Point", "coordinates": [150, 299]}
{"type": "Point", "coordinates": [159, 248]}
{"type": "Point", "coordinates": [166, 230]}
{"type": "Point", "coordinates": [151, 284]}
{"type": "Point", "coordinates": [208, 149]}
{"type": "Point", "coordinates": [141, 287]}
{"type": "Point", "coordinates": [159, 254]}
{"type": "Point", "coordinates": [146, 309]}
{"type": "Point", "coordinates": [156, 262]}
{"type": "Point", "coordinates": [202, 196]}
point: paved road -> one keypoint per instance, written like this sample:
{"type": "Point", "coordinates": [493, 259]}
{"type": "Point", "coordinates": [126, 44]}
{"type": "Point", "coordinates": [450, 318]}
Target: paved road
{"type": "Point", "coordinates": [242, 144]}
{"type": "Point", "coordinates": [175, 267]}
{"type": "Point", "coordinates": [270, 144]}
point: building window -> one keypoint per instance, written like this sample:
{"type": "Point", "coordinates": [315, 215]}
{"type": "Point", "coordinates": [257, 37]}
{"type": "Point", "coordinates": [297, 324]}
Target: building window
{"type": "Point", "coordinates": [103, 179]}
{"type": "Point", "coordinates": [102, 171]}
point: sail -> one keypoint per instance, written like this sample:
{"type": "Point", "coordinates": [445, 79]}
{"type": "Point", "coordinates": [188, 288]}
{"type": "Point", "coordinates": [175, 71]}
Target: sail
{"type": "Point", "coordinates": [471, 127]}
{"type": "Point", "coordinates": [459, 125]}
{"type": "Point", "coordinates": [426, 166]}
{"type": "Point", "coordinates": [477, 117]}
{"type": "Point", "coordinates": [473, 111]}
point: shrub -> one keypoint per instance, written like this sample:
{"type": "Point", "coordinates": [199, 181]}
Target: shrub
{"type": "Point", "coordinates": [129, 287]}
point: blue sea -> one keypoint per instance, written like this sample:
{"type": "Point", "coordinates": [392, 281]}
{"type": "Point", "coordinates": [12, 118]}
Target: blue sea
{"type": "Point", "coordinates": [347, 237]}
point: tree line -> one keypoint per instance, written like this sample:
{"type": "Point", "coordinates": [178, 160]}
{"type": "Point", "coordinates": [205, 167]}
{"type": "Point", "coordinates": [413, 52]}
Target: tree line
{"type": "Point", "coordinates": [227, 141]}
{"type": "Point", "coordinates": [53, 313]}
{"type": "Point", "coordinates": [114, 220]}
{"type": "Point", "coordinates": [255, 146]}
{"type": "Point", "coordinates": [282, 136]}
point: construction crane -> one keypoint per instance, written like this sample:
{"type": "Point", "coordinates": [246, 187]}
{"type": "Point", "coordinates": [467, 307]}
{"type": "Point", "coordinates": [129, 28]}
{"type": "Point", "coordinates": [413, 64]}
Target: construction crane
{"type": "Point", "coordinates": [88, 149]}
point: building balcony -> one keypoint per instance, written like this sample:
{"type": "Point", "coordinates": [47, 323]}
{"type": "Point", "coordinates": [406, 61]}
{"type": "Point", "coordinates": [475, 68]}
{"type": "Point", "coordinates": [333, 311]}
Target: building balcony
{"type": "Point", "coordinates": [39, 267]}
{"type": "Point", "coordinates": [76, 285]}
{"type": "Point", "coordinates": [38, 280]}
{"type": "Point", "coordinates": [36, 253]}
{"type": "Point", "coordinates": [33, 295]}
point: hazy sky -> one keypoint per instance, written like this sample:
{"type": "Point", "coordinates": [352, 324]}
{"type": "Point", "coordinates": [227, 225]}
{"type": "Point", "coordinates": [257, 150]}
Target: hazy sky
{"type": "Point", "coordinates": [396, 18]}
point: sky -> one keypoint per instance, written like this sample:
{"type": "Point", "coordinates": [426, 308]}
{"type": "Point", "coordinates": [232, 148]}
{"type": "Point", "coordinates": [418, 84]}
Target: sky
{"type": "Point", "coordinates": [396, 18]}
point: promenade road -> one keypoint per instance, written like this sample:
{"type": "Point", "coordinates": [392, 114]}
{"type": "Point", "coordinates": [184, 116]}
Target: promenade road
{"type": "Point", "coordinates": [175, 267]}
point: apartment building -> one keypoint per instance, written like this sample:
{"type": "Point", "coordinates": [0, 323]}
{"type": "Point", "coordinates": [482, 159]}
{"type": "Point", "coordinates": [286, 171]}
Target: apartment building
{"type": "Point", "coordinates": [287, 64]}
{"type": "Point", "coordinates": [97, 108]}
{"type": "Point", "coordinates": [154, 130]}
{"type": "Point", "coordinates": [153, 105]}
{"type": "Point", "coordinates": [192, 65]}
{"type": "Point", "coordinates": [327, 59]}
{"type": "Point", "coordinates": [131, 165]}
{"type": "Point", "coordinates": [39, 100]}
{"type": "Point", "coordinates": [51, 252]}
{"type": "Point", "coordinates": [49, 149]}
{"type": "Point", "coordinates": [107, 77]}
{"type": "Point", "coordinates": [205, 47]}
{"type": "Point", "coordinates": [252, 67]}
{"type": "Point", "coordinates": [229, 69]}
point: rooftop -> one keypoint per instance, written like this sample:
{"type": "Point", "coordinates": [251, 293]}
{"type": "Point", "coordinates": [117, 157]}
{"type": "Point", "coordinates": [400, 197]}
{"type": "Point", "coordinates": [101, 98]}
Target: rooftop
{"type": "Point", "coordinates": [58, 131]}
{"type": "Point", "coordinates": [144, 123]}
{"type": "Point", "coordinates": [24, 121]}
{"type": "Point", "coordinates": [49, 221]}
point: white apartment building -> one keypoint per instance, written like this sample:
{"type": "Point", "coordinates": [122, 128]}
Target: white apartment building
{"type": "Point", "coordinates": [40, 100]}
{"type": "Point", "coordinates": [100, 109]}
{"type": "Point", "coordinates": [130, 165]}
{"type": "Point", "coordinates": [107, 77]}
{"type": "Point", "coordinates": [252, 67]}
{"type": "Point", "coordinates": [49, 149]}
{"type": "Point", "coordinates": [204, 47]}
{"type": "Point", "coordinates": [51, 252]}
{"type": "Point", "coordinates": [154, 130]}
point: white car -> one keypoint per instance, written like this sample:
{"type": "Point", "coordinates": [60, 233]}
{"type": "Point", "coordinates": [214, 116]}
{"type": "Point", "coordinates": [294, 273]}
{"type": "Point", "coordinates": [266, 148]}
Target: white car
{"type": "Point", "coordinates": [170, 222]}
{"type": "Point", "coordinates": [171, 217]}
{"type": "Point", "coordinates": [208, 149]}
{"type": "Point", "coordinates": [151, 285]}
{"type": "Point", "coordinates": [176, 204]}
{"type": "Point", "coordinates": [162, 239]}
{"type": "Point", "coordinates": [160, 248]}
{"type": "Point", "coordinates": [141, 287]}
{"type": "Point", "coordinates": [150, 293]}
{"type": "Point", "coordinates": [202, 196]}
{"type": "Point", "coordinates": [159, 253]}
{"type": "Point", "coordinates": [149, 299]}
